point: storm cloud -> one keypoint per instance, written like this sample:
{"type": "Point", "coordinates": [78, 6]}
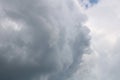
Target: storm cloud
{"type": "Point", "coordinates": [41, 39]}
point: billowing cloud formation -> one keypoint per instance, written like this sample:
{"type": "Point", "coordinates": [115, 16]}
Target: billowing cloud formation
{"type": "Point", "coordinates": [41, 39]}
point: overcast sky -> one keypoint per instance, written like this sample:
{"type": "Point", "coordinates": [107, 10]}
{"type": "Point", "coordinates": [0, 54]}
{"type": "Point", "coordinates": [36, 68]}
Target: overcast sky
{"type": "Point", "coordinates": [59, 39]}
{"type": "Point", "coordinates": [104, 23]}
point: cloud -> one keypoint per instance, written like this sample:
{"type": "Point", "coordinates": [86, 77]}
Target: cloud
{"type": "Point", "coordinates": [41, 40]}
{"type": "Point", "coordinates": [104, 25]}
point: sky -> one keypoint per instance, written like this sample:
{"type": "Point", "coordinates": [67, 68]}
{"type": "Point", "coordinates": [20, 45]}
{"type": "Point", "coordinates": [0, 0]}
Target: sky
{"type": "Point", "coordinates": [103, 22]}
{"type": "Point", "coordinates": [59, 39]}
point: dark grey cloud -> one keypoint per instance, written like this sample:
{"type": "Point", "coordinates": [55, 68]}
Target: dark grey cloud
{"type": "Point", "coordinates": [41, 40]}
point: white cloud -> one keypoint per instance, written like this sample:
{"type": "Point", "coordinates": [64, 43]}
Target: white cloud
{"type": "Point", "coordinates": [103, 20]}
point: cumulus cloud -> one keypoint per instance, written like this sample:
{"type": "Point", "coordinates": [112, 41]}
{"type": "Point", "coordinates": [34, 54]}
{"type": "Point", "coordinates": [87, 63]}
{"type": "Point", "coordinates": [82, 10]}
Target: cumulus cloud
{"type": "Point", "coordinates": [41, 39]}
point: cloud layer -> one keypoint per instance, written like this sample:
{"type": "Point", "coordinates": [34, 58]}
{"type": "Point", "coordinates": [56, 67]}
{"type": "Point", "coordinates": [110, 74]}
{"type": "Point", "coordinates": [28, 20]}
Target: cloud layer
{"type": "Point", "coordinates": [41, 40]}
{"type": "Point", "coordinates": [105, 28]}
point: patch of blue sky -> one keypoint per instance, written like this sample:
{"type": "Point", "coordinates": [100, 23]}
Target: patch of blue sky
{"type": "Point", "coordinates": [93, 1]}
{"type": "Point", "coordinates": [89, 3]}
